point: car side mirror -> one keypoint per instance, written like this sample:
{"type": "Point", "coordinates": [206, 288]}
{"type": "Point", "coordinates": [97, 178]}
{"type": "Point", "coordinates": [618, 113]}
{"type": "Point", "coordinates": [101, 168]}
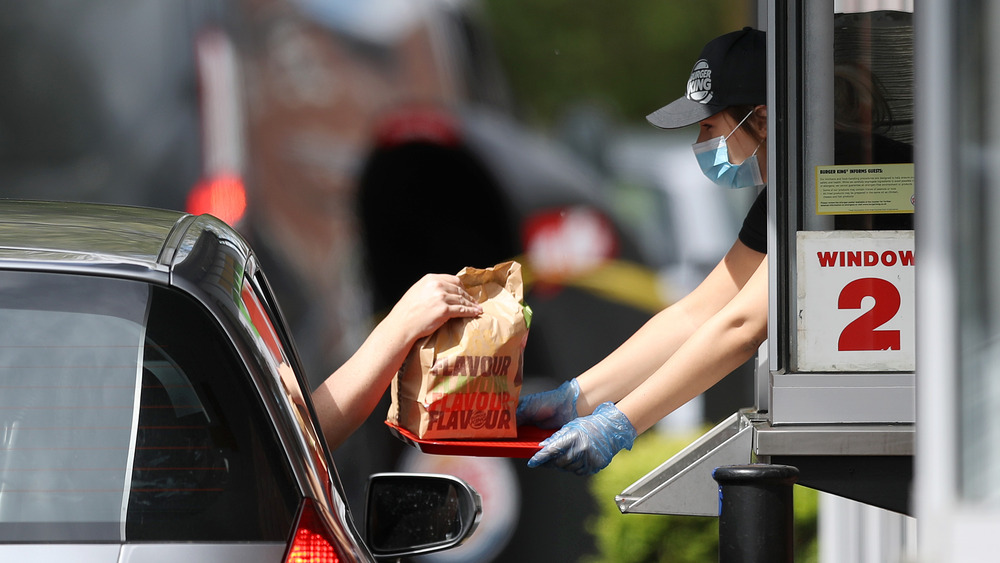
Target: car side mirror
{"type": "Point", "coordinates": [416, 513]}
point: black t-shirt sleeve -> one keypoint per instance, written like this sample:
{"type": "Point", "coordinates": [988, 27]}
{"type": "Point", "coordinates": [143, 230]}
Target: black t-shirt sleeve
{"type": "Point", "coordinates": [754, 231]}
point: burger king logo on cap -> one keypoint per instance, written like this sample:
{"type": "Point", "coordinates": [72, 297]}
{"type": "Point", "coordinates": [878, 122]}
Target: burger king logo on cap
{"type": "Point", "coordinates": [699, 88]}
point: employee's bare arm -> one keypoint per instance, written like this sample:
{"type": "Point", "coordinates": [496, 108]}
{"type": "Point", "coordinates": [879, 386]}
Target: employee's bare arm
{"type": "Point", "coordinates": [719, 346]}
{"type": "Point", "coordinates": [661, 337]}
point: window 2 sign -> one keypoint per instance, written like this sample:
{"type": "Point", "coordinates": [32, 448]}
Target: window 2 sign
{"type": "Point", "coordinates": [855, 301]}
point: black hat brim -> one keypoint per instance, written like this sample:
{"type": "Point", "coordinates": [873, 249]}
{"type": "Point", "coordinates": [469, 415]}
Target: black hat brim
{"type": "Point", "coordinates": [681, 113]}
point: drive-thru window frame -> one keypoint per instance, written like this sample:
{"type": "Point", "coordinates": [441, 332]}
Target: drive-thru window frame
{"type": "Point", "coordinates": [849, 432]}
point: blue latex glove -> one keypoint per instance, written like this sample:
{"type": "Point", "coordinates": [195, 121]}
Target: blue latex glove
{"type": "Point", "coordinates": [549, 409]}
{"type": "Point", "coordinates": [586, 445]}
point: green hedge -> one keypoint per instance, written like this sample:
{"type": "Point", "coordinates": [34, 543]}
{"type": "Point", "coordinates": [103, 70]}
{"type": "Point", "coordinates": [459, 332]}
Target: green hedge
{"type": "Point", "coordinates": [645, 538]}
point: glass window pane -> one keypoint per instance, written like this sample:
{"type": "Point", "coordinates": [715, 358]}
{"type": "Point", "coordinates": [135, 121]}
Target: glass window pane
{"type": "Point", "coordinates": [977, 241]}
{"type": "Point", "coordinates": [873, 115]}
{"type": "Point", "coordinates": [126, 415]}
{"type": "Point", "coordinates": [67, 389]}
{"type": "Point", "coordinates": [208, 464]}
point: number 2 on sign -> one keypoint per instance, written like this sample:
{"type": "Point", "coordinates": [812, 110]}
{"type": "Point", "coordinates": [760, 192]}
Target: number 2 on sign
{"type": "Point", "coordinates": [861, 333]}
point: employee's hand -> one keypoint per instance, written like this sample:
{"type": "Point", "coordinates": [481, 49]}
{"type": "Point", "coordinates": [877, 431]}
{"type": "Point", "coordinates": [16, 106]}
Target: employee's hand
{"type": "Point", "coordinates": [586, 445]}
{"type": "Point", "coordinates": [549, 409]}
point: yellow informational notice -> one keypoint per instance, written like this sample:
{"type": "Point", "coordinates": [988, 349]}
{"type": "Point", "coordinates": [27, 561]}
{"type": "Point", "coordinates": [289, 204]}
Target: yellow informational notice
{"type": "Point", "coordinates": [864, 188]}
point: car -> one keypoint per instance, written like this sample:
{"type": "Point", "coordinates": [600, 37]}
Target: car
{"type": "Point", "coordinates": [153, 407]}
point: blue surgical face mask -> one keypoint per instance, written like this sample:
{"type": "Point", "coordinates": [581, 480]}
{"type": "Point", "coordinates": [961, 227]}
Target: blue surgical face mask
{"type": "Point", "coordinates": [713, 157]}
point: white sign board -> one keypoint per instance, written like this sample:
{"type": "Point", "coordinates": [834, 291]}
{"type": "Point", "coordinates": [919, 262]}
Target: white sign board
{"type": "Point", "coordinates": [855, 301]}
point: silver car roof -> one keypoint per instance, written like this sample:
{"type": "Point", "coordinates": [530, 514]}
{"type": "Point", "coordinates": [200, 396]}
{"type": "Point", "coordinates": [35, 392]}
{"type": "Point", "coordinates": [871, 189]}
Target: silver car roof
{"type": "Point", "coordinates": [83, 236]}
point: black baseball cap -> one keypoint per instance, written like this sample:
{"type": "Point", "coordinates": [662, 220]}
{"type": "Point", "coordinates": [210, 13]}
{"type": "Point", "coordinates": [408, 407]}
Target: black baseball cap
{"type": "Point", "coordinates": [731, 71]}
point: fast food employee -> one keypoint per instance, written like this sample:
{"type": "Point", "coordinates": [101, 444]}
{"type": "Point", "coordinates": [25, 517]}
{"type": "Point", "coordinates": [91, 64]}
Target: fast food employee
{"type": "Point", "coordinates": [691, 345]}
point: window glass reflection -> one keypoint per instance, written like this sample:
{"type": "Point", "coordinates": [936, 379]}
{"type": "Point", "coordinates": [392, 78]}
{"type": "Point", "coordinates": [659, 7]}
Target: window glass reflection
{"type": "Point", "coordinates": [873, 109]}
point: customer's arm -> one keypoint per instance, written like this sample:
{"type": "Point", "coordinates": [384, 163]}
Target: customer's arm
{"type": "Point", "coordinates": [346, 398]}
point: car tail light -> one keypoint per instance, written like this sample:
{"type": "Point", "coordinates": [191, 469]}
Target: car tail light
{"type": "Point", "coordinates": [223, 195]}
{"type": "Point", "coordinates": [566, 242]}
{"type": "Point", "coordinates": [312, 541]}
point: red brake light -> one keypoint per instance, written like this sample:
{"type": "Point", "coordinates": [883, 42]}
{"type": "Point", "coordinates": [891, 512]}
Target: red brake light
{"type": "Point", "coordinates": [223, 195]}
{"type": "Point", "coordinates": [312, 541]}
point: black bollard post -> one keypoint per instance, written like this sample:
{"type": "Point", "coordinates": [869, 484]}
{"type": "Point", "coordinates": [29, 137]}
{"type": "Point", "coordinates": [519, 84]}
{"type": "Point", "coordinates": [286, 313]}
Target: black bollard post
{"type": "Point", "coordinates": [756, 513]}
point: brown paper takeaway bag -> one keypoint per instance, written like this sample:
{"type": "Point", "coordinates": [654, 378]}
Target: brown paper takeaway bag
{"type": "Point", "coordinates": [463, 381]}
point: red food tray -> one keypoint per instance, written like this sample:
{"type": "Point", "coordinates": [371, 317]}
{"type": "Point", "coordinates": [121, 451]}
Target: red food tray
{"type": "Point", "coordinates": [523, 446]}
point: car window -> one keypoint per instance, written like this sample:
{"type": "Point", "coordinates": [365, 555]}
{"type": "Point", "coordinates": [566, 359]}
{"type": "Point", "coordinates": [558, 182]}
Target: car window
{"type": "Point", "coordinates": [126, 415]}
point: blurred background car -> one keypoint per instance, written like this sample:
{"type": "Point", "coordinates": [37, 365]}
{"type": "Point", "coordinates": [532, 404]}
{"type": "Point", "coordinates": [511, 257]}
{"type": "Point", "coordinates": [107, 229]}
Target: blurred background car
{"type": "Point", "coordinates": [154, 407]}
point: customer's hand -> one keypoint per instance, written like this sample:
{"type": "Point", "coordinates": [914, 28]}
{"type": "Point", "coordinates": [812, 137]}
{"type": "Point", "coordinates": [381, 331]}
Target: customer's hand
{"type": "Point", "coordinates": [430, 302]}
{"type": "Point", "coordinates": [586, 445]}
